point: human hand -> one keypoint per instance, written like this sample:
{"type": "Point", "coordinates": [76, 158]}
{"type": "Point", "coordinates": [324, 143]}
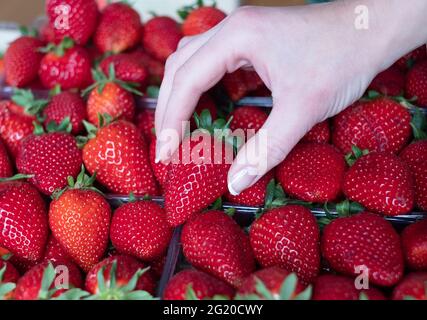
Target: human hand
{"type": "Point", "coordinates": [313, 59]}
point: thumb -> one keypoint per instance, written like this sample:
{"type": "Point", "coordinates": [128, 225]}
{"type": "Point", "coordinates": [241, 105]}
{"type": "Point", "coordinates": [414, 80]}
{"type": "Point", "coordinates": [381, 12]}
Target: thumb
{"type": "Point", "coordinates": [282, 131]}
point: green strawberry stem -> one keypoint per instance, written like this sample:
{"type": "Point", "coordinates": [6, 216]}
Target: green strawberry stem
{"type": "Point", "coordinates": [419, 125]}
{"type": "Point", "coordinates": [7, 287]}
{"type": "Point", "coordinates": [29, 32]}
{"type": "Point", "coordinates": [25, 98]}
{"type": "Point", "coordinates": [60, 49]}
{"type": "Point", "coordinates": [186, 10]}
{"type": "Point", "coordinates": [356, 154]}
{"type": "Point", "coordinates": [17, 177]}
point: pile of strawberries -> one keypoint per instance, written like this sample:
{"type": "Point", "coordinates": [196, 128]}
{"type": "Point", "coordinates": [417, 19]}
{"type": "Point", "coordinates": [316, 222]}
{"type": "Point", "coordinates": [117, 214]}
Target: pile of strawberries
{"type": "Point", "coordinates": [87, 138]}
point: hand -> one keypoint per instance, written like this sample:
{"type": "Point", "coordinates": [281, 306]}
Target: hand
{"type": "Point", "coordinates": [313, 59]}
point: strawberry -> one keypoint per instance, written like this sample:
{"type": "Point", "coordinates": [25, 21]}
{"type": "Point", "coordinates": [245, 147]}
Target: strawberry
{"type": "Point", "coordinates": [79, 218]}
{"type": "Point", "coordinates": [23, 220]}
{"type": "Point", "coordinates": [66, 65]}
{"type": "Point", "coordinates": [110, 96]}
{"type": "Point", "coordinates": [205, 103]}
{"type": "Point", "coordinates": [161, 37]}
{"type": "Point", "coordinates": [128, 68]}
{"type": "Point", "coordinates": [200, 19]}
{"type": "Point", "coordinates": [203, 285]}
{"type": "Point", "coordinates": [6, 169]}
{"type": "Point", "coordinates": [240, 83]}
{"type": "Point", "coordinates": [320, 133]}
{"type": "Point", "coordinates": [248, 118]}
{"type": "Point", "coordinates": [253, 196]}
{"type": "Point", "coordinates": [198, 172]}
{"type": "Point", "coordinates": [51, 158]}
{"type": "Point", "coordinates": [416, 83]}
{"type": "Point", "coordinates": [119, 28]}
{"type": "Point", "coordinates": [415, 157]}
{"type": "Point", "coordinates": [378, 125]}
{"type": "Point", "coordinates": [273, 279]}
{"type": "Point", "coordinates": [278, 240]}
{"type": "Point", "coordinates": [119, 156]}
{"type": "Point", "coordinates": [312, 172]}
{"type": "Point", "coordinates": [1, 66]}
{"type": "Point", "coordinates": [140, 229]}
{"type": "Point", "coordinates": [334, 287]}
{"type": "Point", "coordinates": [76, 19]}
{"type": "Point", "coordinates": [145, 123]}
{"type": "Point", "coordinates": [407, 61]}
{"type": "Point", "coordinates": [15, 125]}
{"type": "Point", "coordinates": [22, 60]}
{"type": "Point", "coordinates": [365, 240]}
{"type": "Point", "coordinates": [160, 170]}
{"type": "Point", "coordinates": [213, 242]}
{"type": "Point", "coordinates": [380, 182]}
{"type": "Point", "coordinates": [414, 244]}
{"type": "Point", "coordinates": [412, 287]}
{"type": "Point", "coordinates": [155, 68]}
{"type": "Point", "coordinates": [123, 269]}
{"type": "Point", "coordinates": [390, 82]}
{"type": "Point", "coordinates": [8, 278]}
{"type": "Point", "coordinates": [47, 280]}
{"type": "Point", "coordinates": [158, 266]}
{"type": "Point", "coordinates": [55, 252]}
{"type": "Point", "coordinates": [63, 105]}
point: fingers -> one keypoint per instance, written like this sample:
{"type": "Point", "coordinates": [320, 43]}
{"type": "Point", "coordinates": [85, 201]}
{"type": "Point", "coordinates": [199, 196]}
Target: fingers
{"type": "Point", "coordinates": [282, 131]}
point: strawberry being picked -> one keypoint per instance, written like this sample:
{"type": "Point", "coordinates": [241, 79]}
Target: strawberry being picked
{"type": "Point", "coordinates": [200, 18]}
{"type": "Point", "coordinates": [79, 217]}
{"type": "Point", "coordinates": [416, 84]}
{"type": "Point", "coordinates": [380, 182]}
{"type": "Point", "coordinates": [240, 83]}
{"type": "Point", "coordinates": [50, 157]}
{"type": "Point", "coordinates": [248, 118]}
{"type": "Point", "coordinates": [22, 60]}
{"type": "Point", "coordinates": [414, 245]}
{"type": "Point", "coordinates": [140, 229]}
{"type": "Point", "coordinates": [161, 37]}
{"type": "Point", "coordinates": [66, 65]}
{"type": "Point", "coordinates": [118, 154]}
{"type": "Point", "coordinates": [277, 239]}
{"type": "Point", "coordinates": [412, 287]}
{"type": "Point", "coordinates": [366, 241]}
{"type": "Point", "coordinates": [214, 243]}
{"type": "Point", "coordinates": [119, 28]}
{"type": "Point", "coordinates": [80, 22]}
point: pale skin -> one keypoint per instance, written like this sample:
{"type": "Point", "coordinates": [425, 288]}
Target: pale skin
{"type": "Point", "coordinates": [313, 59]}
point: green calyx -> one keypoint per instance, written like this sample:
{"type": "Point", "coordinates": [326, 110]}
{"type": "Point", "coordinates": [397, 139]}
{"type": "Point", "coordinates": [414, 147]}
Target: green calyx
{"type": "Point", "coordinates": [287, 291]}
{"type": "Point", "coordinates": [17, 177]}
{"type": "Point", "coordinates": [191, 295]}
{"type": "Point", "coordinates": [101, 80]}
{"type": "Point", "coordinates": [342, 209]}
{"type": "Point", "coordinates": [29, 32]}
{"type": "Point", "coordinates": [60, 49]}
{"type": "Point", "coordinates": [6, 287]}
{"type": "Point", "coordinates": [103, 121]}
{"type": "Point", "coordinates": [110, 290]}
{"type": "Point", "coordinates": [186, 10]}
{"type": "Point", "coordinates": [65, 126]}
{"type": "Point", "coordinates": [356, 154]}
{"type": "Point", "coordinates": [153, 92]}
{"type": "Point", "coordinates": [419, 125]}
{"type": "Point", "coordinates": [26, 99]}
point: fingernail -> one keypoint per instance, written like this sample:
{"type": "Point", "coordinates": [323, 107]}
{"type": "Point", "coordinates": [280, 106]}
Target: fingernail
{"type": "Point", "coordinates": [158, 148]}
{"type": "Point", "coordinates": [241, 180]}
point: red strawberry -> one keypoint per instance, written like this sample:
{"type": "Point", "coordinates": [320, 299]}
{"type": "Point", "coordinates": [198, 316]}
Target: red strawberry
{"type": "Point", "coordinates": [412, 57]}
{"type": "Point", "coordinates": [51, 158]}
{"type": "Point", "coordinates": [65, 65]}
{"type": "Point", "coordinates": [253, 196]}
{"type": "Point", "coordinates": [196, 179]}
{"type": "Point", "coordinates": [312, 172]}
{"type": "Point", "coordinates": [413, 286]}
{"type": "Point", "coordinates": [15, 125]}
{"type": "Point", "coordinates": [365, 240]}
{"type": "Point", "coordinates": [414, 243]}
{"type": "Point", "coordinates": [128, 68]}
{"type": "Point", "coordinates": [288, 237]}
{"type": "Point", "coordinates": [160, 170]}
{"type": "Point", "coordinates": [23, 220]}
{"type": "Point", "coordinates": [66, 104]}
{"type": "Point", "coordinates": [334, 287]}
{"type": "Point", "coordinates": [158, 266]}
{"type": "Point", "coordinates": [30, 285]}
{"type": "Point", "coordinates": [125, 269]}
{"type": "Point", "coordinates": [213, 242]}
{"type": "Point", "coordinates": [416, 83]}
{"type": "Point", "coordinates": [54, 251]}
{"type": "Point", "coordinates": [155, 68]}
{"type": "Point", "coordinates": [80, 220]}
{"type": "Point", "coordinates": [140, 229]}
{"type": "Point", "coordinates": [5, 164]}
{"type": "Point", "coordinates": [240, 83]}
{"type": "Point", "coordinates": [10, 275]}
{"type": "Point", "coordinates": [119, 156]}
{"type": "Point", "coordinates": [248, 118]}
{"type": "Point", "coordinates": [22, 61]}
{"type": "Point", "coordinates": [161, 37]}
{"type": "Point", "coordinates": [145, 123]}
{"type": "Point", "coordinates": [201, 20]}
{"type": "Point", "coordinates": [76, 19]}
{"type": "Point", "coordinates": [415, 157]}
{"type": "Point", "coordinates": [273, 279]}
{"type": "Point", "coordinates": [390, 82]}
{"type": "Point", "coordinates": [119, 28]}
{"type": "Point", "coordinates": [320, 133]}
{"type": "Point", "coordinates": [110, 96]}
{"type": "Point", "coordinates": [204, 286]}
{"type": "Point", "coordinates": [378, 125]}
{"type": "Point", "coordinates": [382, 183]}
